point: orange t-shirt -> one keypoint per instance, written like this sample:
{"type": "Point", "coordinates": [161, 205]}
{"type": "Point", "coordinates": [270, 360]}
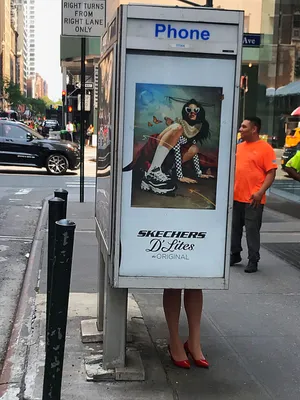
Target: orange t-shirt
{"type": "Point", "coordinates": [253, 161]}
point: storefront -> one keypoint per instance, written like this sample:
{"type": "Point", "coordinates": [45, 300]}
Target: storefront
{"type": "Point", "coordinates": [278, 90]}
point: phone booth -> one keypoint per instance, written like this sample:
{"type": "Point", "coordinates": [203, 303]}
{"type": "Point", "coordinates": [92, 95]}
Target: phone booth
{"type": "Point", "coordinates": [169, 81]}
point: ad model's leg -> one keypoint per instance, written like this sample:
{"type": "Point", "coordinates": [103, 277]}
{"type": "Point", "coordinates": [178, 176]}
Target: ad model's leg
{"type": "Point", "coordinates": [193, 303]}
{"type": "Point", "coordinates": [172, 306]}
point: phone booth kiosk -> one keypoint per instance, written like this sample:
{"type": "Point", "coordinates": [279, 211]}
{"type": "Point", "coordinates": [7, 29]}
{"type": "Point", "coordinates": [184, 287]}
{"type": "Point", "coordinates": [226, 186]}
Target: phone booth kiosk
{"type": "Point", "coordinates": [168, 107]}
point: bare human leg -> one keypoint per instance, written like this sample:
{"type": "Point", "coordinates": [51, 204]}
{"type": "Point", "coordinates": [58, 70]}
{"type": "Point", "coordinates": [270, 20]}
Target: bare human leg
{"type": "Point", "coordinates": [192, 151]}
{"type": "Point", "coordinates": [172, 305]}
{"type": "Point", "coordinates": [193, 303]}
{"type": "Point", "coordinates": [169, 137]}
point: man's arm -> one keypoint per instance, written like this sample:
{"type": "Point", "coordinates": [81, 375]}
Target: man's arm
{"type": "Point", "coordinates": [292, 173]}
{"type": "Point", "coordinates": [256, 197]}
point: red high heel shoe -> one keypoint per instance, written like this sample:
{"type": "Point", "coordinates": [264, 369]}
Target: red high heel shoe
{"type": "Point", "coordinates": [181, 364]}
{"type": "Point", "coordinates": [200, 363]}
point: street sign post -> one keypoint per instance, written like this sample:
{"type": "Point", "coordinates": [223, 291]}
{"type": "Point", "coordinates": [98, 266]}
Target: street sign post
{"type": "Point", "coordinates": [84, 18]}
{"type": "Point", "coordinates": [87, 85]}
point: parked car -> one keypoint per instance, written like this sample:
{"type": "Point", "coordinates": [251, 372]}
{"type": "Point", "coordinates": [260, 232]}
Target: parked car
{"type": "Point", "coordinates": [22, 146]}
{"type": "Point", "coordinates": [47, 126]}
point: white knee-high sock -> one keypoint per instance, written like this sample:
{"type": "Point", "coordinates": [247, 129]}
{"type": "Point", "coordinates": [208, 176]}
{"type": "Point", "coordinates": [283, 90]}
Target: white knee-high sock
{"type": "Point", "coordinates": [159, 157]}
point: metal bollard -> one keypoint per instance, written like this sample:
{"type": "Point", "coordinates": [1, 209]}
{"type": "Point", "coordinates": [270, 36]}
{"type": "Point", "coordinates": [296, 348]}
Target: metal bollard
{"type": "Point", "coordinates": [58, 311]}
{"type": "Point", "coordinates": [62, 194]}
{"type": "Point", "coordinates": [56, 213]}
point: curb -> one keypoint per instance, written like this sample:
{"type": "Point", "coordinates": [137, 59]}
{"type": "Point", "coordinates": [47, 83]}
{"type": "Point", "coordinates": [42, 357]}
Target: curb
{"type": "Point", "coordinates": [15, 362]}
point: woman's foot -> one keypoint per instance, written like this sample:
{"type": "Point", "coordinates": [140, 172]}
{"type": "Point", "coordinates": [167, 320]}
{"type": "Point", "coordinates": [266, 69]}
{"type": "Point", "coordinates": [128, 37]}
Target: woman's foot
{"type": "Point", "coordinates": [196, 354]}
{"type": "Point", "coordinates": [181, 363]}
{"type": "Point", "coordinates": [177, 351]}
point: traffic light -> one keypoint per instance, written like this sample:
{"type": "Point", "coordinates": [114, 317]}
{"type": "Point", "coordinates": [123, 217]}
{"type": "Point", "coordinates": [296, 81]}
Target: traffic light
{"type": "Point", "coordinates": [63, 97]}
{"type": "Point", "coordinates": [70, 109]}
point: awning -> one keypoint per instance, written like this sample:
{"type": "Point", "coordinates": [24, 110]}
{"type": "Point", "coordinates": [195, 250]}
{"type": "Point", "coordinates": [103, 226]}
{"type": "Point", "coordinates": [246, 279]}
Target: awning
{"type": "Point", "coordinates": [292, 89]}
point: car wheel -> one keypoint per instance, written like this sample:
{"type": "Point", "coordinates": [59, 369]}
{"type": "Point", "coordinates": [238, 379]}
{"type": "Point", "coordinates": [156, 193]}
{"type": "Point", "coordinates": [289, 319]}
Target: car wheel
{"type": "Point", "coordinates": [57, 164]}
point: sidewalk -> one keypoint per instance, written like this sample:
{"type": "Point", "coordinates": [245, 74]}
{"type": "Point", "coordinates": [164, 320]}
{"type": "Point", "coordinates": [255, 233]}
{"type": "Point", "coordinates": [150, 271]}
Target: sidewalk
{"type": "Point", "coordinates": [250, 333]}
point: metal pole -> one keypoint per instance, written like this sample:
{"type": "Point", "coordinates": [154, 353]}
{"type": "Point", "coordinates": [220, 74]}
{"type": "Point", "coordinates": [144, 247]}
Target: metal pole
{"type": "Point", "coordinates": [64, 87]}
{"type": "Point", "coordinates": [56, 330]}
{"type": "Point", "coordinates": [56, 213]}
{"type": "Point", "coordinates": [209, 3]}
{"type": "Point", "coordinates": [82, 110]}
{"type": "Point", "coordinates": [244, 104]}
{"type": "Point", "coordinates": [115, 325]}
{"type": "Point", "coordinates": [101, 286]}
{"type": "Point", "coordinates": [62, 194]}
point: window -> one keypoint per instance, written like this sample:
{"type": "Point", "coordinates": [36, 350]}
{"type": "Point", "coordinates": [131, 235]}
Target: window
{"type": "Point", "coordinates": [296, 21]}
{"type": "Point", "coordinates": [296, 27]}
{"type": "Point", "coordinates": [12, 131]}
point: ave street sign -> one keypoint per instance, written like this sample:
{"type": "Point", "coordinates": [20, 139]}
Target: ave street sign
{"type": "Point", "coordinates": [251, 40]}
{"type": "Point", "coordinates": [83, 18]}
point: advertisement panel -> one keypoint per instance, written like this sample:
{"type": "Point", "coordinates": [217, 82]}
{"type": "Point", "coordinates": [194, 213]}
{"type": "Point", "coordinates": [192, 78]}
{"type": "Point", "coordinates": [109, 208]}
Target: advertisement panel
{"type": "Point", "coordinates": [176, 152]}
{"type": "Point", "coordinates": [104, 144]}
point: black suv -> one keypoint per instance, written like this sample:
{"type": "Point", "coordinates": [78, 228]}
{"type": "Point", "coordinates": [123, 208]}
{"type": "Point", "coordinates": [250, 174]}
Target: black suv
{"type": "Point", "coordinates": [21, 146]}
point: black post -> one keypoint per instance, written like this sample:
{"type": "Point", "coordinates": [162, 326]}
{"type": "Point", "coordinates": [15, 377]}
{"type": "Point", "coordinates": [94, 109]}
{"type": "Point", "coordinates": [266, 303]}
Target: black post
{"type": "Point", "coordinates": [56, 213]}
{"type": "Point", "coordinates": [82, 112]}
{"type": "Point", "coordinates": [58, 312]}
{"type": "Point", "coordinates": [62, 194]}
{"type": "Point", "coordinates": [209, 3]}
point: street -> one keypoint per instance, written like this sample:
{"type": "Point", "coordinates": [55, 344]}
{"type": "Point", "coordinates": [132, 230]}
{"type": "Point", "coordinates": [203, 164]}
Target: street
{"type": "Point", "coordinates": [22, 191]}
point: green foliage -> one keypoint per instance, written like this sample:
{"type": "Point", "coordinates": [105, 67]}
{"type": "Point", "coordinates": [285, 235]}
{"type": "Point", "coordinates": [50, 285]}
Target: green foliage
{"type": "Point", "coordinates": [12, 93]}
{"type": "Point", "coordinates": [36, 106]}
{"type": "Point", "coordinates": [50, 103]}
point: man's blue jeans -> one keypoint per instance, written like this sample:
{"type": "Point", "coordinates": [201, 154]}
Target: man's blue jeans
{"type": "Point", "coordinates": [244, 214]}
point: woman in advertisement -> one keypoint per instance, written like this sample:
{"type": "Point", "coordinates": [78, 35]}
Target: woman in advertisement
{"type": "Point", "coordinates": [182, 138]}
{"type": "Point", "coordinates": [193, 304]}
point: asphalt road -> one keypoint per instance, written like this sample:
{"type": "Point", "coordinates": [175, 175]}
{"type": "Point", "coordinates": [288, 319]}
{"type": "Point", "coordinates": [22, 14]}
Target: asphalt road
{"type": "Point", "coordinates": [21, 195]}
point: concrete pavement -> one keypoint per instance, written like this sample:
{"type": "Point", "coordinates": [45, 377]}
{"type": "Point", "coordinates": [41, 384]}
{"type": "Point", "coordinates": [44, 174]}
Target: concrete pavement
{"type": "Point", "coordinates": [249, 333]}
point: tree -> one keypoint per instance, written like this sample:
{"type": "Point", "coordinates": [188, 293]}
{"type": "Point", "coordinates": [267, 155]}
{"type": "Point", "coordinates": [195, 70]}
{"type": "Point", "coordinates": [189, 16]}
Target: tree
{"type": "Point", "coordinates": [47, 101]}
{"type": "Point", "coordinates": [36, 106]}
{"type": "Point", "coordinates": [12, 93]}
{"type": "Point", "coordinates": [50, 103]}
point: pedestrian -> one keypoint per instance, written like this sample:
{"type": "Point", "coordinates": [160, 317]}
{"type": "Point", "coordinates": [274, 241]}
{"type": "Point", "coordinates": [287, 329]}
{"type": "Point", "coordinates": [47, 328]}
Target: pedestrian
{"type": "Point", "coordinates": [193, 303]}
{"type": "Point", "coordinates": [255, 172]}
{"type": "Point", "coordinates": [70, 129]}
{"type": "Point", "coordinates": [89, 134]}
{"type": "Point", "coordinates": [292, 167]}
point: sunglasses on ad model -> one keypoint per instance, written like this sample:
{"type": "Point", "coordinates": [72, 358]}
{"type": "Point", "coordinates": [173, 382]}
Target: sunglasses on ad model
{"type": "Point", "coordinates": [190, 110]}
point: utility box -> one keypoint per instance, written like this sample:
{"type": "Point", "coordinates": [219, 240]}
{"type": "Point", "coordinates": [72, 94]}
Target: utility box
{"type": "Point", "coordinates": [168, 109]}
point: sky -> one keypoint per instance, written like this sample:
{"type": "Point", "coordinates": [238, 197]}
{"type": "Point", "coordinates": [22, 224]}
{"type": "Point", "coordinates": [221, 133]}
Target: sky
{"type": "Point", "coordinates": [48, 28]}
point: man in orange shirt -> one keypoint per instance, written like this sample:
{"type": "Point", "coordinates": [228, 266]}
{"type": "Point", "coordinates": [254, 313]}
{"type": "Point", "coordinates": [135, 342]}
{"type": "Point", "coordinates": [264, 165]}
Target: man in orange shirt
{"type": "Point", "coordinates": [255, 172]}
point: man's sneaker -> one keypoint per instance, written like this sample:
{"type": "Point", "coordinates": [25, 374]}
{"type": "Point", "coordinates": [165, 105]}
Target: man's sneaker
{"type": "Point", "coordinates": [235, 259]}
{"type": "Point", "coordinates": [157, 182]}
{"type": "Point", "coordinates": [251, 267]}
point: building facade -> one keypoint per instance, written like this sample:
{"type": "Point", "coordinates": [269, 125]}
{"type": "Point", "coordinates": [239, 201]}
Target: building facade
{"type": "Point", "coordinates": [8, 43]}
{"type": "Point", "coordinates": [31, 37]}
{"type": "Point", "coordinates": [22, 53]}
{"type": "Point", "coordinates": [37, 87]}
